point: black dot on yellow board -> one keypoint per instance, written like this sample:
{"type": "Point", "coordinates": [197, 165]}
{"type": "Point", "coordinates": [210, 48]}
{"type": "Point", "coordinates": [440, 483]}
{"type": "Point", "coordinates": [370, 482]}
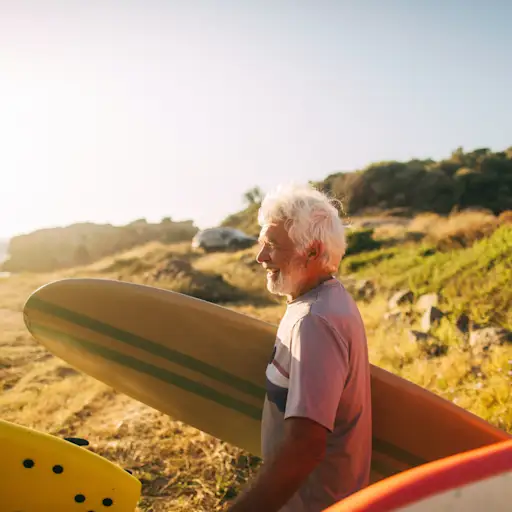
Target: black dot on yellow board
{"type": "Point", "coordinates": [28, 463]}
{"type": "Point", "coordinates": [107, 502]}
{"type": "Point", "coordinates": [57, 469]}
{"type": "Point", "coordinates": [79, 498]}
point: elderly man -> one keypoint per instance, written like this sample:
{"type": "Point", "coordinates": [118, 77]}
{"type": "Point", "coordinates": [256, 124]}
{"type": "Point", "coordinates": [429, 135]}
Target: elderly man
{"type": "Point", "coordinates": [316, 425]}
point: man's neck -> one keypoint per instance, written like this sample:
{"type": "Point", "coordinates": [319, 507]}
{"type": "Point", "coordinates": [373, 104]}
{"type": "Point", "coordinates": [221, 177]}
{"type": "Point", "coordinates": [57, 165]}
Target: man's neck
{"type": "Point", "coordinates": [309, 285]}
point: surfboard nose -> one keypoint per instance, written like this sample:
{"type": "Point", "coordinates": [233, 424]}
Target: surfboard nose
{"type": "Point", "coordinates": [46, 473]}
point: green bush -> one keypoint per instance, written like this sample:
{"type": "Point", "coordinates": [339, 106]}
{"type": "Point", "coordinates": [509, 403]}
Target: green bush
{"type": "Point", "coordinates": [361, 241]}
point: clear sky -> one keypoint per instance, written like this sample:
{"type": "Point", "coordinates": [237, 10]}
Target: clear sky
{"type": "Point", "coordinates": [112, 110]}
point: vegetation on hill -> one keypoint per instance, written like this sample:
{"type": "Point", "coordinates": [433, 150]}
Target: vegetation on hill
{"type": "Point", "coordinates": [479, 178]}
{"type": "Point", "coordinates": [56, 248]}
{"type": "Point", "coordinates": [247, 219]}
{"type": "Point", "coordinates": [474, 179]}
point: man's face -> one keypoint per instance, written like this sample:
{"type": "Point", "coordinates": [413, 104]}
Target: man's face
{"type": "Point", "coordinates": [285, 265]}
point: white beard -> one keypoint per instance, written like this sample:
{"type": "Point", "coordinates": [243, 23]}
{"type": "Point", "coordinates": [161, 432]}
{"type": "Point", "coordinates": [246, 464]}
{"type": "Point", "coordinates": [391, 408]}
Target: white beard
{"type": "Point", "coordinates": [284, 284]}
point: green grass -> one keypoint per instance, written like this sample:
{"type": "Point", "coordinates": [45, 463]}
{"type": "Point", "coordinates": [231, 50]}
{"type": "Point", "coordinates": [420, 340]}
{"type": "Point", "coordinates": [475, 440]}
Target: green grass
{"type": "Point", "coordinates": [476, 280]}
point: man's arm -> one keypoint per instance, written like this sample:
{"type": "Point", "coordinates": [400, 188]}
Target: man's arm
{"type": "Point", "coordinates": [302, 448]}
{"type": "Point", "coordinates": [317, 376]}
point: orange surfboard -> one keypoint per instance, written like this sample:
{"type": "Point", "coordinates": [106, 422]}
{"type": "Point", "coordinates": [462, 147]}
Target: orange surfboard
{"type": "Point", "coordinates": [474, 481]}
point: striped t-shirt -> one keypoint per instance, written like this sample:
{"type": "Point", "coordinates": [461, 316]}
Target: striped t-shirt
{"type": "Point", "coordinates": [319, 369]}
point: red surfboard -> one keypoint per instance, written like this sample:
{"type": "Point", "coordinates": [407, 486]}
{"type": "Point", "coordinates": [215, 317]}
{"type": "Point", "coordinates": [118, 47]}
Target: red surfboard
{"type": "Point", "coordinates": [473, 481]}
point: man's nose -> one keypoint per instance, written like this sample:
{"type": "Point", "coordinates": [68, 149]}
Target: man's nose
{"type": "Point", "coordinates": [262, 255]}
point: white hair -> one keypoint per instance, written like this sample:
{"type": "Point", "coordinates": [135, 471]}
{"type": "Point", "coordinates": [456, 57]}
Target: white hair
{"type": "Point", "coordinates": [309, 215]}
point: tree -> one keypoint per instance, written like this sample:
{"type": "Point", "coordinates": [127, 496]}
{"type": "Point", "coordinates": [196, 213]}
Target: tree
{"type": "Point", "coordinates": [253, 196]}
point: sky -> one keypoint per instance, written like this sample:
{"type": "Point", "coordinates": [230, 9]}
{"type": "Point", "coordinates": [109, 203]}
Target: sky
{"type": "Point", "coordinates": [114, 110]}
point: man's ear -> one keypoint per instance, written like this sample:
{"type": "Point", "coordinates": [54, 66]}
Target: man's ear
{"type": "Point", "coordinates": [314, 250]}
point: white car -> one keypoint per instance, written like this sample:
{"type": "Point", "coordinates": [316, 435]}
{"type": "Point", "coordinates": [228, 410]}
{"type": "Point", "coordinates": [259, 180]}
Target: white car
{"type": "Point", "coordinates": [221, 239]}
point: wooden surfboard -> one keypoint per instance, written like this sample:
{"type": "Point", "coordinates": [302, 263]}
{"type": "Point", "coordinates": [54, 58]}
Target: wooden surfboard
{"type": "Point", "coordinates": [204, 364]}
{"type": "Point", "coordinates": [48, 474]}
{"type": "Point", "coordinates": [473, 481]}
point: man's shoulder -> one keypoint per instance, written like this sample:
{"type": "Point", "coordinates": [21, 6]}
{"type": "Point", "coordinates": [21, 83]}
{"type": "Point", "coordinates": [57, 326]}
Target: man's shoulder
{"type": "Point", "coordinates": [329, 306]}
{"type": "Point", "coordinates": [314, 325]}
{"type": "Point", "coordinates": [333, 302]}
{"type": "Point", "coordinates": [301, 317]}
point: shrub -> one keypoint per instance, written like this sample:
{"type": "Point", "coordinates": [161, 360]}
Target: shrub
{"type": "Point", "coordinates": [458, 230]}
{"type": "Point", "coordinates": [361, 241]}
{"type": "Point", "coordinates": [505, 217]}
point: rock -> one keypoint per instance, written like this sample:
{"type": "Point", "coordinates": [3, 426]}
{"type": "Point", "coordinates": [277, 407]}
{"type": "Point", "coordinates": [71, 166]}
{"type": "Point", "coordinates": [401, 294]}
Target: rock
{"type": "Point", "coordinates": [418, 336]}
{"type": "Point", "coordinates": [393, 315]}
{"type": "Point", "coordinates": [426, 301]}
{"type": "Point", "coordinates": [179, 275]}
{"type": "Point", "coordinates": [436, 350]}
{"type": "Point", "coordinates": [364, 289]}
{"type": "Point", "coordinates": [431, 316]}
{"type": "Point", "coordinates": [399, 298]}
{"type": "Point", "coordinates": [476, 371]}
{"type": "Point", "coordinates": [486, 337]}
{"type": "Point", "coordinates": [462, 323]}
{"type": "Point", "coordinates": [430, 346]}
{"type": "Point", "coordinates": [47, 250]}
{"type": "Point", "coordinates": [173, 268]}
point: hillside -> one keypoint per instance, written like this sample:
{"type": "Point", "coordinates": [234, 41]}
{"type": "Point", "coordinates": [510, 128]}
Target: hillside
{"type": "Point", "coordinates": [474, 179]}
{"type": "Point", "coordinates": [3, 249]}
{"type": "Point", "coordinates": [56, 248]}
{"type": "Point", "coordinates": [435, 298]}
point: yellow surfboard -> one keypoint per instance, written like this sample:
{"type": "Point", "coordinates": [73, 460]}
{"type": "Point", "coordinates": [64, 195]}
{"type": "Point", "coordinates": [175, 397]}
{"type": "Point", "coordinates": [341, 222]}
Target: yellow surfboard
{"type": "Point", "coordinates": [204, 364]}
{"type": "Point", "coordinates": [44, 473]}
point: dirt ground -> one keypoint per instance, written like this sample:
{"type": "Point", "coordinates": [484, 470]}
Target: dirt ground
{"type": "Point", "coordinates": [180, 467]}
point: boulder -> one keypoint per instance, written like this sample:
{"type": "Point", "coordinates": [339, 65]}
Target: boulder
{"type": "Point", "coordinates": [393, 315]}
{"type": "Point", "coordinates": [179, 275]}
{"type": "Point", "coordinates": [399, 298]}
{"type": "Point", "coordinates": [427, 301]}
{"type": "Point", "coordinates": [418, 336]}
{"type": "Point", "coordinates": [173, 268]}
{"type": "Point", "coordinates": [463, 323]}
{"type": "Point", "coordinates": [364, 289]}
{"type": "Point", "coordinates": [430, 346]}
{"type": "Point", "coordinates": [483, 339]}
{"type": "Point", "coordinates": [431, 316]}
{"type": "Point", "coordinates": [51, 249]}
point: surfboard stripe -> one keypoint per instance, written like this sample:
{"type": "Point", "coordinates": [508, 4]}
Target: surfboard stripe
{"type": "Point", "coordinates": [204, 391]}
{"type": "Point", "coordinates": [154, 371]}
{"type": "Point", "coordinates": [390, 451]}
{"type": "Point", "coordinates": [397, 453]}
{"type": "Point", "coordinates": [150, 346]}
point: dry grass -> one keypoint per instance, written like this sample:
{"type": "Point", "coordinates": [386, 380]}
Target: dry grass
{"type": "Point", "coordinates": [505, 217]}
{"type": "Point", "coordinates": [180, 467]}
{"type": "Point", "coordinates": [457, 230]}
{"type": "Point", "coordinates": [390, 231]}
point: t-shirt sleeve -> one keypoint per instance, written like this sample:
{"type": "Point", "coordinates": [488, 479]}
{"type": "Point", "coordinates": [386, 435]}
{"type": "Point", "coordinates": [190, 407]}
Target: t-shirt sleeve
{"type": "Point", "coordinates": [318, 371]}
